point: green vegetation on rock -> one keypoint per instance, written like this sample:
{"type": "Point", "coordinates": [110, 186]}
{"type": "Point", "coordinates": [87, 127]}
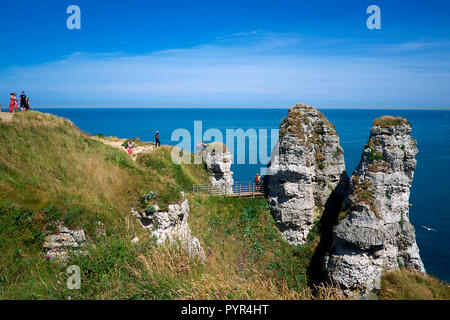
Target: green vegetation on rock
{"type": "Point", "coordinates": [390, 121]}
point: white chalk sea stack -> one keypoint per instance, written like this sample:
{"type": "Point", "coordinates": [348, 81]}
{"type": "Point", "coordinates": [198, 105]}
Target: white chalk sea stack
{"type": "Point", "coordinates": [307, 168]}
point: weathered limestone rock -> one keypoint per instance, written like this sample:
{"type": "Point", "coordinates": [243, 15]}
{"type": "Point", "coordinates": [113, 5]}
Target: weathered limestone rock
{"type": "Point", "coordinates": [58, 246]}
{"type": "Point", "coordinates": [172, 226]}
{"type": "Point", "coordinates": [308, 167]}
{"type": "Point", "coordinates": [217, 159]}
{"type": "Point", "coordinates": [374, 234]}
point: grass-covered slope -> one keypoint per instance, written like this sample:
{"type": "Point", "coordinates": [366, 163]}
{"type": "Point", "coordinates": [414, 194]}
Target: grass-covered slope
{"type": "Point", "coordinates": [50, 170]}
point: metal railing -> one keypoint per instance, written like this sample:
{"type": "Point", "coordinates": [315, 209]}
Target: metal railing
{"type": "Point", "coordinates": [237, 189]}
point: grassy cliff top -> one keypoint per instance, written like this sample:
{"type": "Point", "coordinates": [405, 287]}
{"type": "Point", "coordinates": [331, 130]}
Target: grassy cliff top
{"type": "Point", "coordinates": [301, 117]}
{"type": "Point", "coordinates": [217, 146]}
{"type": "Point", "coordinates": [390, 121]}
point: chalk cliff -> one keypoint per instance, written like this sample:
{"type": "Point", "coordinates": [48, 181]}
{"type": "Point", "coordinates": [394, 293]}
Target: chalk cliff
{"type": "Point", "coordinates": [306, 167]}
{"type": "Point", "coordinates": [374, 233]}
{"type": "Point", "coordinates": [217, 159]}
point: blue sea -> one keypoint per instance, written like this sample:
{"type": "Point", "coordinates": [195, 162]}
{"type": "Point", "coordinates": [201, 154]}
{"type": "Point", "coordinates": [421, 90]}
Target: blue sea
{"type": "Point", "coordinates": [431, 186]}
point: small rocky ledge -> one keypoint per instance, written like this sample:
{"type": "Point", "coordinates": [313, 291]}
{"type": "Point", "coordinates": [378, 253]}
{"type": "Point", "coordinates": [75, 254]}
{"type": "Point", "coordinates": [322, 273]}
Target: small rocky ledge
{"type": "Point", "coordinates": [58, 246]}
{"type": "Point", "coordinates": [171, 226]}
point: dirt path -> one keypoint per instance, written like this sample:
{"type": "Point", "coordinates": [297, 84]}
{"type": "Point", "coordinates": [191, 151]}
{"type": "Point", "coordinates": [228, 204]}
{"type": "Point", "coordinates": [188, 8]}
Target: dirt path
{"type": "Point", "coordinates": [6, 116]}
{"type": "Point", "coordinates": [118, 145]}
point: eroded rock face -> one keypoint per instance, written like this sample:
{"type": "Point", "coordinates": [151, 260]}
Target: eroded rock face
{"type": "Point", "coordinates": [172, 226]}
{"type": "Point", "coordinates": [374, 234]}
{"type": "Point", "coordinates": [58, 246]}
{"type": "Point", "coordinates": [309, 166]}
{"type": "Point", "coordinates": [217, 159]}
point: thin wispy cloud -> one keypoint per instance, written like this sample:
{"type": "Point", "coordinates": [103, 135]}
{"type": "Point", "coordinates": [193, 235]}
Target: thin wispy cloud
{"type": "Point", "coordinates": [241, 70]}
{"type": "Point", "coordinates": [413, 46]}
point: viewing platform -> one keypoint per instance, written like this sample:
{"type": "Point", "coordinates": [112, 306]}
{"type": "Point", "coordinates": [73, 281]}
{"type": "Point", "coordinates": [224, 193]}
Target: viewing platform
{"type": "Point", "coordinates": [246, 189]}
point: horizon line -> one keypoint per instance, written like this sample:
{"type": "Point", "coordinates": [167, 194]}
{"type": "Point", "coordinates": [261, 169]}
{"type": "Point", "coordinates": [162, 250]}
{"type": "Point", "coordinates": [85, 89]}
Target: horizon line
{"type": "Point", "coordinates": [248, 107]}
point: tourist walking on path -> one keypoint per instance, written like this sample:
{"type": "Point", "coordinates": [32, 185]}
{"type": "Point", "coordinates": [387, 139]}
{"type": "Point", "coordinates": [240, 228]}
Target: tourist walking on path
{"type": "Point", "coordinates": [130, 147]}
{"type": "Point", "coordinates": [157, 142]}
{"type": "Point", "coordinates": [12, 102]}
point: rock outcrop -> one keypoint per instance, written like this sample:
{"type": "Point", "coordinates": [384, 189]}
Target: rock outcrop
{"type": "Point", "coordinates": [217, 159]}
{"type": "Point", "coordinates": [172, 226]}
{"type": "Point", "coordinates": [59, 245]}
{"type": "Point", "coordinates": [307, 168]}
{"type": "Point", "coordinates": [374, 233]}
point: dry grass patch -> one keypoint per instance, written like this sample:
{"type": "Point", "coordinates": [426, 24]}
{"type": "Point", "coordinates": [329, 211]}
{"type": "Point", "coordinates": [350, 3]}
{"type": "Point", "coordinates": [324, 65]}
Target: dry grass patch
{"type": "Point", "coordinates": [390, 121]}
{"type": "Point", "coordinates": [404, 284]}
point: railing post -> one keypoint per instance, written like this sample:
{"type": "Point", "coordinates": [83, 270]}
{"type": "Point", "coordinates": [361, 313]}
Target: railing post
{"type": "Point", "coordinates": [239, 190]}
{"type": "Point", "coordinates": [253, 190]}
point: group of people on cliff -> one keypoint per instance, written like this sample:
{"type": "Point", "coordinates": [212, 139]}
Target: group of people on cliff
{"type": "Point", "coordinates": [14, 103]}
{"type": "Point", "coordinates": [130, 144]}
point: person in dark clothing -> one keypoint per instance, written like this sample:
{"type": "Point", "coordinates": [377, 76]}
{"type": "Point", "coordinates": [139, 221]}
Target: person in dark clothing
{"type": "Point", "coordinates": [157, 142]}
{"type": "Point", "coordinates": [27, 104]}
{"type": "Point", "coordinates": [23, 101]}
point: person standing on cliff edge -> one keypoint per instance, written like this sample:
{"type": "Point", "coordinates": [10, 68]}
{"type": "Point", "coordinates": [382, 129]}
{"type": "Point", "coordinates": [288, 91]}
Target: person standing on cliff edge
{"type": "Point", "coordinates": [23, 101]}
{"type": "Point", "coordinates": [12, 102]}
{"type": "Point", "coordinates": [157, 142]}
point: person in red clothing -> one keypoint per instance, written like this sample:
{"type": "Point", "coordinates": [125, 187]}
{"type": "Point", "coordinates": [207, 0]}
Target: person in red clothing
{"type": "Point", "coordinates": [130, 147]}
{"type": "Point", "coordinates": [12, 102]}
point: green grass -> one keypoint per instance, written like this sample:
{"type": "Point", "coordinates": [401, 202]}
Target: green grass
{"type": "Point", "coordinates": [390, 121]}
{"type": "Point", "coordinates": [50, 170]}
{"type": "Point", "coordinates": [183, 174]}
{"type": "Point", "coordinates": [245, 231]}
{"type": "Point", "coordinates": [374, 155]}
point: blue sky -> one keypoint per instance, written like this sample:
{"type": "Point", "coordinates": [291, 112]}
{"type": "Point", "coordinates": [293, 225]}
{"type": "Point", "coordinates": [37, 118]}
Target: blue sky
{"type": "Point", "coordinates": [164, 53]}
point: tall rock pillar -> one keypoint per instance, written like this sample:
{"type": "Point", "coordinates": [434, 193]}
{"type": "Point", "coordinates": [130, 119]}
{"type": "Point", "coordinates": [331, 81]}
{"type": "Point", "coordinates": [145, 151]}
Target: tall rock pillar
{"type": "Point", "coordinates": [307, 168]}
{"type": "Point", "coordinates": [374, 234]}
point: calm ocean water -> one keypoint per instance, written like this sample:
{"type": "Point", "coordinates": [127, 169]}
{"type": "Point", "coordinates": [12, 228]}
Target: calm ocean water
{"type": "Point", "coordinates": [431, 187]}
